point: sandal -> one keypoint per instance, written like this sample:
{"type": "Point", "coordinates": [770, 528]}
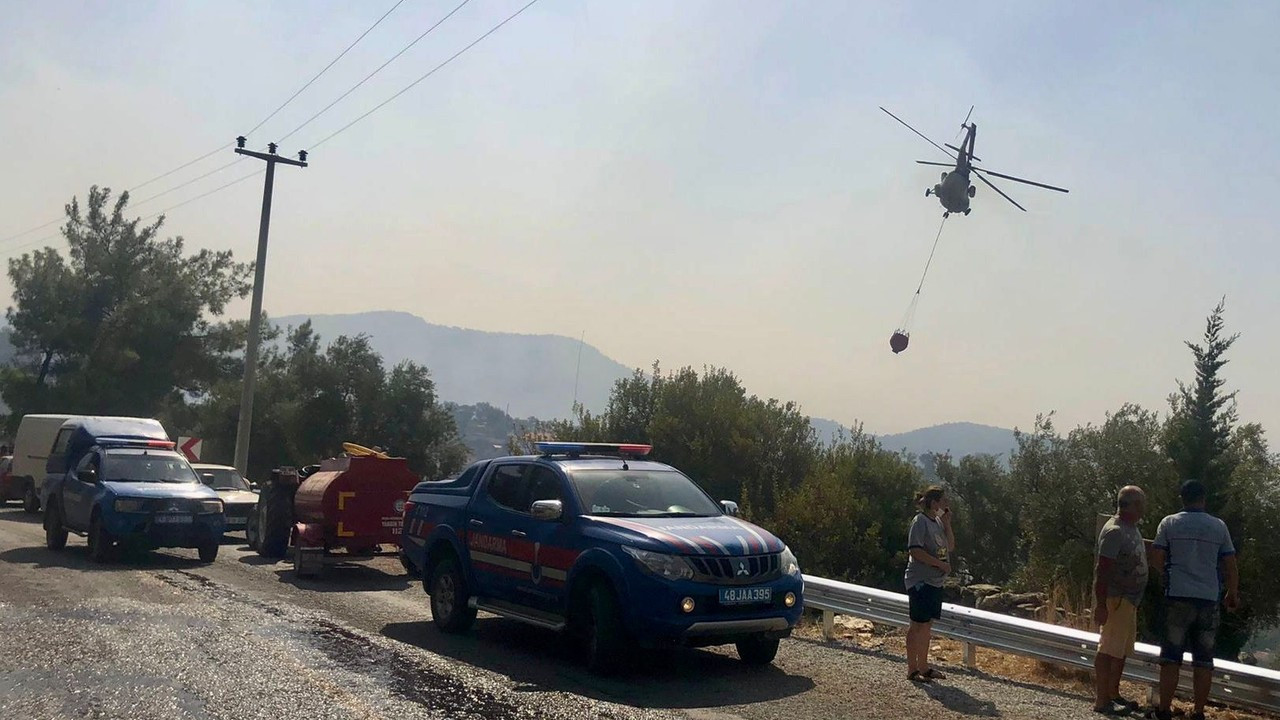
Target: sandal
{"type": "Point", "coordinates": [917, 677]}
{"type": "Point", "coordinates": [933, 674]}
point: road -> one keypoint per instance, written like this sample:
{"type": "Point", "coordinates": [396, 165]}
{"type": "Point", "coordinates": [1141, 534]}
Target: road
{"type": "Point", "coordinates": [160, 635]}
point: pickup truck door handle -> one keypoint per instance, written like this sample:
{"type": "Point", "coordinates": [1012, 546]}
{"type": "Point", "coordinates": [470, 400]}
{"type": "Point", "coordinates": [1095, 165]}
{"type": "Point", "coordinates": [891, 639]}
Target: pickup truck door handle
{"type": "Point", "coordinates": [518, 533]}
{"type": "Point", "coordinates": [477, 523]}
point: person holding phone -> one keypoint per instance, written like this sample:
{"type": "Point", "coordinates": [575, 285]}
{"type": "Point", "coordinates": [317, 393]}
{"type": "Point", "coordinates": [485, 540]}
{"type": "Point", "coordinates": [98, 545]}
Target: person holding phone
{"type": "Point", "coordinates": [930, 542]}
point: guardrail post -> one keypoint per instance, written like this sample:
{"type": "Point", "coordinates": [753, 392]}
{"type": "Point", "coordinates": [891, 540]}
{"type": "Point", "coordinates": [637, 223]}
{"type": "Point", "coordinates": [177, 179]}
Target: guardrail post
{"type": "Point", "coordinates": [828, 624]}
{"type": "Point", "coordinates": [970, 655]}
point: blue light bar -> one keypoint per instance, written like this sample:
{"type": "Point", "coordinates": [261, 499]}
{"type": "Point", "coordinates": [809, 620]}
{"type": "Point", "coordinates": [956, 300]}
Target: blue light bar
{"type": "Point", "coordinates": [576, 448]}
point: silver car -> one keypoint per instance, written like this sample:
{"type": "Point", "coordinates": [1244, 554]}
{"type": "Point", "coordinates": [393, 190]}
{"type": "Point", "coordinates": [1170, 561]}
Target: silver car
{"type": "Point", "coordinates": [238, 494]}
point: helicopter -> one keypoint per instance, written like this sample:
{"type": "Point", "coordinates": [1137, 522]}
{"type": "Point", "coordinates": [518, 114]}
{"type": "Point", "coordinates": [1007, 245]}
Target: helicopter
{"type": "Point", "coordinates": [955, 190]}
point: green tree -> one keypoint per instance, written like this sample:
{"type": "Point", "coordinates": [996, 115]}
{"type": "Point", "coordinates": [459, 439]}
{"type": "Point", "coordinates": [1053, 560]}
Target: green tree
{"type": "Point", "coordinates": [1204, 415]}
{"type": "Point", "coordinates": [986, 506]}
{"type": "Point", "coordinates": [125, 323]}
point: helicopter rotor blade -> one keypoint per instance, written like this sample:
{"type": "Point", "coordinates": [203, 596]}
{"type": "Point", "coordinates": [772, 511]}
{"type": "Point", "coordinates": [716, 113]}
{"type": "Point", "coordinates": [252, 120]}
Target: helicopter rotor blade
{"type": "Point", "coordinates": [926, 162]}
{"type": "Point", "coordinates": [993, 187]}
{"type": "Point", "coordinates": [922, 135]}
{"type": "Point", "coordinates": [1021, 180]}
{"type": "Point", "coordinates": [967, 116]}
{"type": "Point", "coordinates": [974, 158]}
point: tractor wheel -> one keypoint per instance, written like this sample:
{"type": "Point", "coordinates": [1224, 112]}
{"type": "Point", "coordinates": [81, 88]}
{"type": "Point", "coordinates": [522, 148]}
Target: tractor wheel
{"type": "Point", "coordinates": [607, 642]}
{"type": "Point", "coordinates": [450, 609]}
{"type": "Point", "coordinates": [100, 541]}
{"type": "Point", "coordinates": [275, 521]}
{"type": "Point", "coordinates": [758, 650]}
{"type": "Point", "coordinates": [55, 534]}
{"type": "Point", "coordinates": [251, 529]}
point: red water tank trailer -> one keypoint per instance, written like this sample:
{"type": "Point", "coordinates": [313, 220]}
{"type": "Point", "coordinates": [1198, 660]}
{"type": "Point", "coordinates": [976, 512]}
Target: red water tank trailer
{"type": "Point", "coordinates": [353, 502]}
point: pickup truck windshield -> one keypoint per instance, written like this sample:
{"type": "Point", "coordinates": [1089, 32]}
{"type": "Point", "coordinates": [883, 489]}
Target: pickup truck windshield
{"type": "Point", "coordinates": [223, 480]}
{"type": "Point", "coordinates": [640, 493]}
{"type": "Point", "coordinates": [146, 466]}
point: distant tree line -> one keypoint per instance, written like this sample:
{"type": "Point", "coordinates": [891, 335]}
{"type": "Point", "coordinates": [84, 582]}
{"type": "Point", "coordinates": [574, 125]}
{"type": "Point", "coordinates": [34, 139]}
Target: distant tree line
{"type": "Point", "coordinates": [126, 322]}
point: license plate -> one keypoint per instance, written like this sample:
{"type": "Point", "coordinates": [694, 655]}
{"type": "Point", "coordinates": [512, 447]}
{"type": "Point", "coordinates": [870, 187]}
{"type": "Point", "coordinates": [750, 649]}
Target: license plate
{"type": "Point", "coordinates": [746, 595]}
{"type": "Point", "coordinates": [173, 519]}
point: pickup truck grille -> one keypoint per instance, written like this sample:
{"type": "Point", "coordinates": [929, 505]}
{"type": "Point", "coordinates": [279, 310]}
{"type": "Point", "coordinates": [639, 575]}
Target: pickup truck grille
{"type": "Point", "coordinates": [735, 570]}
{"type": "Point", "coordinates": [171, 505]}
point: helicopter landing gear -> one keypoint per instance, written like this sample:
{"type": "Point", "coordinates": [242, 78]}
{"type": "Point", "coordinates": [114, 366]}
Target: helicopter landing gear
{"type": "Point", "coordinates": [928, 192]}
{"type": "Point", "coordinates": [966, 211]}
{"type": "Point", "coordinates": [946, 215]}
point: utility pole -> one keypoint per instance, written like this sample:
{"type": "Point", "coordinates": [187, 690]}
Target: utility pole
{"type": "Point", "coordinates": [255, 316]}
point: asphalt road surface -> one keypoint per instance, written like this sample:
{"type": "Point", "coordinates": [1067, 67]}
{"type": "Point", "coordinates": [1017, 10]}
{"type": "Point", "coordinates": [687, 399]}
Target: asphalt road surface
{"type": "Point", "coordinates": [160, 635]}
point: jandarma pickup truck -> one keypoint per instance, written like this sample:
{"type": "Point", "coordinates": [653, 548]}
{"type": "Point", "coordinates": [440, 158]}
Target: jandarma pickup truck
{"type": "Point", "coordinates": [594, 540]}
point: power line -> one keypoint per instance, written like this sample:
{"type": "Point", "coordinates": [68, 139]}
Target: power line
{"type": "Point", "coordinates": [189, 182]}
{"type": "Point", "coordinates": [380, 68]}
{"type": "Point", "coordinates": [326, 68]}
{"type": "Point", "coordinates": [220, 148]}
{"type": "Point", "coordinates": [429, 73]}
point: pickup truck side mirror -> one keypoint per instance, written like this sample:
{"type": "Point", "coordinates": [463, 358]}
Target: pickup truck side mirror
{"type": "Point", "coordinates": [730, 507]}
{"type": "Point", "coordinates": [547, 510]}
{"type": "Point", "coordinates": [88, 477]}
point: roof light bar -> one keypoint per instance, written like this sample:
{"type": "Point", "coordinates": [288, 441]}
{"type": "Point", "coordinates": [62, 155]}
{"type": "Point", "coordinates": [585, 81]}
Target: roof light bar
{"type": "Point", "coordinates": [632, 450]}
{"type": "Point", "coordinates": [136, 442]}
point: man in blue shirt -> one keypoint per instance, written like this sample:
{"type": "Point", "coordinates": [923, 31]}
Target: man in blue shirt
{"type": "Point", "coordinates": [1194, 548]}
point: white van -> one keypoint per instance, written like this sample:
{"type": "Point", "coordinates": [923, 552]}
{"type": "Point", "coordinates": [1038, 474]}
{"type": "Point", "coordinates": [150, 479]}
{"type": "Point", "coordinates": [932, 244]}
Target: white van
{"type": "Point", "coordinates": [31, 448]}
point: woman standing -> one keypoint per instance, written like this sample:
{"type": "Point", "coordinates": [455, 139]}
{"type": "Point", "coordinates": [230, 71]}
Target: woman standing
{"type": "Point", "coordinates": [930, 543]}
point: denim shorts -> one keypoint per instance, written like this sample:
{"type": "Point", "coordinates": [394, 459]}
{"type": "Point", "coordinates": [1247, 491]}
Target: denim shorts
{"type": "Point", "coordinates": [925, 602]}
{"type": "Point", "coordinates": [1190, 624]}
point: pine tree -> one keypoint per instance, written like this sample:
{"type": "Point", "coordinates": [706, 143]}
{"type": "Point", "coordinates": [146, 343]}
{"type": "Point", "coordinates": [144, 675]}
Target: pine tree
{"type": "Point", "coordinates": [1204, 415]}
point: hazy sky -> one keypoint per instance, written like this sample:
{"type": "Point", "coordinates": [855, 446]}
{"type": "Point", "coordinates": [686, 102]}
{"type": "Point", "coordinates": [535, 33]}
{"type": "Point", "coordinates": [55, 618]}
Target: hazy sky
{"type": "Point", "coordinates": [712, 182]}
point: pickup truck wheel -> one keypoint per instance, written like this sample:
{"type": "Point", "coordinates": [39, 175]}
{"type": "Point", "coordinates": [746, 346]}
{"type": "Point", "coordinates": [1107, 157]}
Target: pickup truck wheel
{"type": "Point", "coordinates": [450, 610]}
{"type": "Point", "coordinates": [208, 552]}
{"type": "Point", "coordinates": [55, 535]}
{"type": "Point", "coordinates": [758, 650]}
{"type": "Point", "coordinates": [607, 643]}
{"type": "Point", "coordinates": [31, 501]}
{"type": "Point", "coordinates": [99, 541]}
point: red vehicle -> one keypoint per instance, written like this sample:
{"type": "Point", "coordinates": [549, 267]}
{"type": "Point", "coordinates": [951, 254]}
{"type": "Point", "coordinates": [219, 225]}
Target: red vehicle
{"type": "Point", "coordinates": [346, 508]}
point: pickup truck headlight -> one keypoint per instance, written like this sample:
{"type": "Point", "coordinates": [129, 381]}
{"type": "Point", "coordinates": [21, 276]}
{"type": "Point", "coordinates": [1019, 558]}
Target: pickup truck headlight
{"type": "Point", "coordinates": [668, 567]}
{"type": "Point", "coordinates": [130, 505]}
{"type": "Point", "coordinates": [788, 562]}
{"type": "Point", "coordinates": [209, 507]}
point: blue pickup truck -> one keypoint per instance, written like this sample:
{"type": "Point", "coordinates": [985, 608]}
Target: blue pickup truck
{"type": "Point", "coordinates": [593, 540]}
{"type": "Point", "coordinates": [120, 480]}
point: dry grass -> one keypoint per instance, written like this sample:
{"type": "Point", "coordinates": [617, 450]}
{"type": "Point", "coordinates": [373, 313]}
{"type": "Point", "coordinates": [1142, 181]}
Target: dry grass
{"type": "Point", "coordinates": [1077, 681]}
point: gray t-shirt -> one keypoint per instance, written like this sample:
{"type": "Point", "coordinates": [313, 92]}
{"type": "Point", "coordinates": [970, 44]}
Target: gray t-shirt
{"type": "Point", "coordinates": [1122, 544]}
{"type": "Point", "coordinates": [1194, 543]}
{"type": "Point", "coordinates": [928, 534]}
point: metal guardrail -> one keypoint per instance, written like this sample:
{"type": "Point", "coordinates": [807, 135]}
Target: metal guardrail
{"type": "Point", "coordinates": [1234, 684]}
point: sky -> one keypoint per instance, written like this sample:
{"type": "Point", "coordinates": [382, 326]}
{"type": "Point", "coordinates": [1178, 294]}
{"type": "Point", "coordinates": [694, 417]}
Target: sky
{"type": "Point", "coordinates": [709, 183]}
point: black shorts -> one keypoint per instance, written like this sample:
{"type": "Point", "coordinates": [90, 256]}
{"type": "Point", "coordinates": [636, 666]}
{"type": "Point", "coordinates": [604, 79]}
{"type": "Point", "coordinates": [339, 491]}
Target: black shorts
{"type": "Point", "coordinates": [925, 602]}
{"type": "Point", "coordinates": [1189, 624]}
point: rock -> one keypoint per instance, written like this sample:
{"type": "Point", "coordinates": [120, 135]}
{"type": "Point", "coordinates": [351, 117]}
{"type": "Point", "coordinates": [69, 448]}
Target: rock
{"type": "Point", "coordinates": [1030, 598]}
{"type": "Point", "coordinates": [999, 603]}
{"type": "Point", "coordinates": [1026, 611]}
{"type": "Point", "coordinates": [971, 595]}
{"type": "Point", "coordinates": [952, 591]}
{"type": "Point", "coordinates": [854, 625]}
